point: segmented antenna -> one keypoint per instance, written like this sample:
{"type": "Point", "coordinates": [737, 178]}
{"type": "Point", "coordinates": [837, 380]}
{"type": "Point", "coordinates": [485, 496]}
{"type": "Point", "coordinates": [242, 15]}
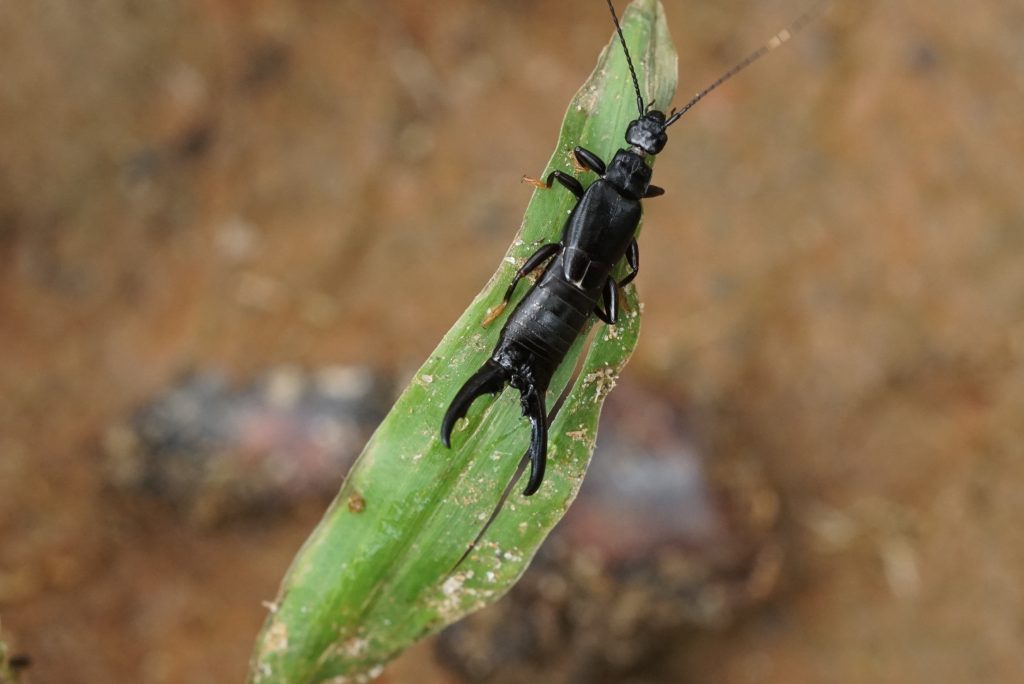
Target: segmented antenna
{"type": "Point", "coordinates": [772, 43]}
{"type": "Point", "coordinates": [632, 71]}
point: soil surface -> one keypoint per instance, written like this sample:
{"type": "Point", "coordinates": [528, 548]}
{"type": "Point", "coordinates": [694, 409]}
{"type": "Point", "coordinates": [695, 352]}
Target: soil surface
{"type": "Point", "coordinates": [833, 288]}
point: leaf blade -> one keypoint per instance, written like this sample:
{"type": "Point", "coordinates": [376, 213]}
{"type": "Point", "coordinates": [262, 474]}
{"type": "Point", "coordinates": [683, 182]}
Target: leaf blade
{"type": "Point", "coordinates": [373, 578]}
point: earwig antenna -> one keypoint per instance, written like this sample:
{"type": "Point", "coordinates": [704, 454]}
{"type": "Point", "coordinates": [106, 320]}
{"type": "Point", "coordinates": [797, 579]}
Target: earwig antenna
{"type": "Point", "coordinates": [632, 71]}
{"type": "Point", "coordinates": [772, 43]}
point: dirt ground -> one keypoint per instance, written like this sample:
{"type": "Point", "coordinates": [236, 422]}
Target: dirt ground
{"type": "Point", "coordinates": [833, 287]}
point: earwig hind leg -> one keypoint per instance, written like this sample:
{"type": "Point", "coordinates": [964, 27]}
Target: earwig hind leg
{"type": "Point", "coordinates": [536, 259]}
{"type": "Point", "coordinates": [490, 379]}
{"type": "Point", "coordinates": [533, 408]}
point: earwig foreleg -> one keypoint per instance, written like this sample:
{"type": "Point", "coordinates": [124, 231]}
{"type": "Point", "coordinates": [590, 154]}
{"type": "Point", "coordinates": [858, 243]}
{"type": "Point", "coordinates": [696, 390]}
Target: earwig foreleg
{"type": "Point", "coordinates": [573, 185]}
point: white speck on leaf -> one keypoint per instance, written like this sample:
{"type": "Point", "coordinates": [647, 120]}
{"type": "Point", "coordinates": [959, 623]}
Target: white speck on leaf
{"type": "Point", "coordinates": [453, 584]}
{"type": "Point", "coordinates": [354, 647]}
{"type": "Point", "coordinates": [603, 380]}
{"type": "Point", "coordinates": [276, 640]}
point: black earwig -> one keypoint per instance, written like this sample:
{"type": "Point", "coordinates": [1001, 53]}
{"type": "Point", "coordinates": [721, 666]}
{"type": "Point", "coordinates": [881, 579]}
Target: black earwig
{"type": "Point", "coordinates": [578, 280]}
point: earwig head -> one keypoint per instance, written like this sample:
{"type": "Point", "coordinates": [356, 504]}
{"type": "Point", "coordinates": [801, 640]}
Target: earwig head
{"type": "Point", "coordinates": [648, 132]}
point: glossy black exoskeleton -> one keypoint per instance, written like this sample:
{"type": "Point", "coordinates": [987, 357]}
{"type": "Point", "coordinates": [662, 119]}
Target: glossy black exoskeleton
{"type": "Point", "coordinates": [578, 281]}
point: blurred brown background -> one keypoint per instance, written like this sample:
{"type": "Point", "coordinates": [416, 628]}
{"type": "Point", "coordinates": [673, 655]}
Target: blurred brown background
{"type": "Point", "coordinates": [833, 286]}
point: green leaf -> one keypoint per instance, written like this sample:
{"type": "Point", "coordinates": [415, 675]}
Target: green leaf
{"type": "Point", "coordinates": [378, 571]}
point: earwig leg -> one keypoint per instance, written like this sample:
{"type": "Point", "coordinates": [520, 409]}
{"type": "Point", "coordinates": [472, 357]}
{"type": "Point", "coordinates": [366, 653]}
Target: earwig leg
{"type": "Point", "coordinates": [490, 379]}
{"type": "Point", "coordinates": [611, 300]}
{"type": "Point", "coordinates": [494, 312]}
{"type": "Point", "coordinates": [623, 302]}
{"type": "Point", "coordinates": [633, 259]}
{"type": "Point", "coordinates": [533, 408]}
{"type": "Point", "coordinates": [610, 315]}
{"type": "Point", "coordinates": [536, 259]}
{"type": "Point", "coordinates": [585, 159]}
{"type": "Point", "coordinates": [562, 177]}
